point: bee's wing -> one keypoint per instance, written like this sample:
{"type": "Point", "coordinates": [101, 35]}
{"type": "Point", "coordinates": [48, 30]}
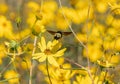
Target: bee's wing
{"type": "Point", "coordinates": [66, 33]}
{"type": "Point", "coordinates": [51, 32]}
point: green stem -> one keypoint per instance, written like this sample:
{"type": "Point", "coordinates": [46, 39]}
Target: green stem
{"type": "Point", "coordinates": [48, 70]}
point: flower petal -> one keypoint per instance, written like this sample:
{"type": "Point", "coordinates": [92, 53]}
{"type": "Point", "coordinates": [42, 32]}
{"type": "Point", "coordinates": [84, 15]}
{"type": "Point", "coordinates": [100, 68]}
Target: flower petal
{"type": "Point", "coordinates": [49, 45]}
{"type": "Point", "coordinates": [55, 42]}
{"type": "Point", "coordinates": [60, 53]}
{"type": "Point", "coordinates": [40, 46]}
{"type": "Point", "coordinates": [42, 59]}
{"type": "Point", "coordinates": [43, 43]}
{"type": "Point", "coordinates": [56, 47]}
{"type": "Point", "coordinates": [52, 61]}
{"type": "Point", "coordinates": [37, 55]}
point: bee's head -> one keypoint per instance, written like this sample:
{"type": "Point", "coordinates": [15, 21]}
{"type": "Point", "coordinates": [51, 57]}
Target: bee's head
{"type": "Point", "coordinates": [58, 35]}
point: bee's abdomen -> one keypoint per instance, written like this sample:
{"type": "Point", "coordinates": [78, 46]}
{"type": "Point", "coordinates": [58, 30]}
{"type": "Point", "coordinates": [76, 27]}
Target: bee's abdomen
{"type": "Point", "coordinates": [58, 35]}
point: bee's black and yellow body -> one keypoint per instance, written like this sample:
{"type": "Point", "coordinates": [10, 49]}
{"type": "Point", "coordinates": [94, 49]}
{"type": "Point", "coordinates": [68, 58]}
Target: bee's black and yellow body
{"type": "Point", "coordinates": [58, 35]}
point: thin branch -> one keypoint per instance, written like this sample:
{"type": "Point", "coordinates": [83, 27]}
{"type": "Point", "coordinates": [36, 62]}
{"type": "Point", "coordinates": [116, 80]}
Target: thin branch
{"type": "Point", "coordinates": [6, 67]}
{"type": "Point", "coordinates": [80, 66]}
{"type": "Point", "coordinates": [31, 67]}
{"type": "Point", "coordinates": [11, 61]}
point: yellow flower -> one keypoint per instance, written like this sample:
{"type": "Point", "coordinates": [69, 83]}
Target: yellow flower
{"type": "Point", "coordinates": [112, 32]}
{"type": "Point", "coordinates": [109, 43]}
{"type": "Point", "coordinates": [115, 60]}
{"type": "Point", "coordinates": [97, 79]}
{"type": "Point", "coordinates": [61, 22]}
{"type": "Point", "coordinates": [38, 28]}
{"type": "Point", "coordinates": [22, 34]}
{"type": "Point", "coordinates": [117, 44]}
{"type": "Point", "coordinates": [49, 6]}
{"type": "Point", "coordinates": [107, 79]}
{"type": "Point", "coordinates": [82, 37]}
{"type": "Point", "coordinates": [33, 6]}
{"type": "Point", "coordinates": [12, 77]}
{"type": "Point", "coordinates": [115, 10]}
{"type": "Point", "coordinates": [101, 7]}
{"type": "Point", "coordinates": [61, 75]}
{"type": "Point", "coordinates": [105, 64]}
{"type": "Point", "coordinates": [82, 14]}
{"type": "Point", "coordinates": [57, 74]}
{"type": "Point", "coordinates": [81, 72]}
{"type": "Point", "coordinates": [31, 19]}
{"type": "Point", "coordinates": [2, 54]}
{"type": "Point", "coordinates": [49, 51]}
{"type": "Point", "coordinates": [47, 12]}
{"type": "Point", "coordinates": [86, 79]}
{"type": "Point", "coordinates": [81, 4]}
{"type": "Point", "coordinates": [5, 27]}
{"type": "Point", "coordinates": [71, 14]}
{"type": "Point", "coordinates": [3, 8]}
{"type": "Point", "coordinates": [26, 63]}
{"type": "Point", "coordinates": [94, 52]}
{"type": "Point", "coordinates": [115, 15]}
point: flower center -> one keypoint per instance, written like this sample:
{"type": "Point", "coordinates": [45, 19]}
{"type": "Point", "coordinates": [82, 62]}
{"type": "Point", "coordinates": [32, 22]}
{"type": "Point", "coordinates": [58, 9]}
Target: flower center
{"type": "Point", "coordinates": [4, 24]}
{"type": "Point", "coordinates": [47, 52]}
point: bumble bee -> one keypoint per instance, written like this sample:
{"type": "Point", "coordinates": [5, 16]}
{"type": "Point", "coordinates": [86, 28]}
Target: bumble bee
{"type": "Point", "coordinates": [58, 34]}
